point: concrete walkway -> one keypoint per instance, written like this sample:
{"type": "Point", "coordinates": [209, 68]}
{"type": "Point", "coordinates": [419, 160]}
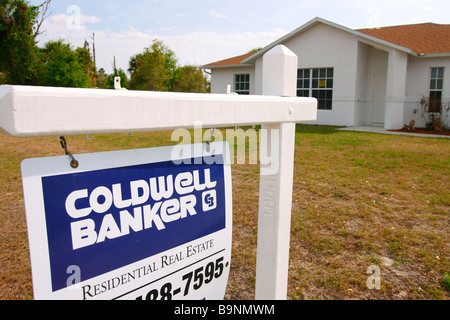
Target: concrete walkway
{"type": "Point", "coordinates": [385, 131]}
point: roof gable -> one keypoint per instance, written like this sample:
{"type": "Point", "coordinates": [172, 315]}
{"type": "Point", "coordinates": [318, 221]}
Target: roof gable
{"type": "Point", "coordinates": [312, 24]}
{"type": "Point", "coordinates": [416, 39]}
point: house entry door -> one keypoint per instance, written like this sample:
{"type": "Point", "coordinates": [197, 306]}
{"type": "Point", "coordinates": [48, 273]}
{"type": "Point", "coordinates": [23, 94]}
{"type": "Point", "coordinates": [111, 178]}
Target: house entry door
{"type": "Point", "coordinates": [379, 96]}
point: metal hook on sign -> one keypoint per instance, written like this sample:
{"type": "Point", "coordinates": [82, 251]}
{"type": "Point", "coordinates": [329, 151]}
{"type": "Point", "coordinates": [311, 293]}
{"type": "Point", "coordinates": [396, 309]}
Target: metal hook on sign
{"type": "Point", "coordinates": [73, 163]}
{"type": "Point", "coordinates": [208, 143]}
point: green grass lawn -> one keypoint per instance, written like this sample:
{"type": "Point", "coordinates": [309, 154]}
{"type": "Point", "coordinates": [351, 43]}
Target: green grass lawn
{"type": "Point", "coordinates": [359, 200]}
{"type": "Point", "coordinates": [362, 199]}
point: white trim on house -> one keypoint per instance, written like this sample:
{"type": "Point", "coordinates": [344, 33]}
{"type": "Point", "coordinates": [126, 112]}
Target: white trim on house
{"type": "Point", "coordinates": [434, 55]}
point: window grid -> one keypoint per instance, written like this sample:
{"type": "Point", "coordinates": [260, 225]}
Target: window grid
{"type": "Point", "coordinates": [242, 84]}
{"type": "Point", "coordinates": [436, 87]}
{"type": "Point", "coordinates": [317, 83]}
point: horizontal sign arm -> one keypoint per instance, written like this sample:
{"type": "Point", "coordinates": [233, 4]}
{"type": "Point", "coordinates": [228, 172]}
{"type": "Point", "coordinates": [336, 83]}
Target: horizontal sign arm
{"type": "Point", "coordinates": [43, 111]}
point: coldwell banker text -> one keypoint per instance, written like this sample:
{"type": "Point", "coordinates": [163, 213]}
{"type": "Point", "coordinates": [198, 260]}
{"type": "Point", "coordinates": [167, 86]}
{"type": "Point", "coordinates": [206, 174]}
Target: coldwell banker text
{"type": "Point", "coordinates": [173, 199]}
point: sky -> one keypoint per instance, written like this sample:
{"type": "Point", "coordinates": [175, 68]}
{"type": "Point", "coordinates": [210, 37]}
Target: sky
{"type": "Point", "coordinates": [204, 31]}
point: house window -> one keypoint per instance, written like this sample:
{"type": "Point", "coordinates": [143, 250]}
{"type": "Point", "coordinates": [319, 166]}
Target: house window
{"type": "Point", "coordinates": [317, 83]}
{"type": "Point", "coordinates": [242, 84]}
{"type": "Point", "coordinates": [436, 85]}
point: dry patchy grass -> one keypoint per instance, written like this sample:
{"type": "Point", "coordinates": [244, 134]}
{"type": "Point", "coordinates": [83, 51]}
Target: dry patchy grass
{"type": "Point", "coordinates": [360, 199]}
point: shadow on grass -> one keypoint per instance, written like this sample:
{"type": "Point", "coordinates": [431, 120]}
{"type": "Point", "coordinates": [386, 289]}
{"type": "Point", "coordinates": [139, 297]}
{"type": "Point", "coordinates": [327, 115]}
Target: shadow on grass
{"type": "Point", "coordinates": [318, 129]}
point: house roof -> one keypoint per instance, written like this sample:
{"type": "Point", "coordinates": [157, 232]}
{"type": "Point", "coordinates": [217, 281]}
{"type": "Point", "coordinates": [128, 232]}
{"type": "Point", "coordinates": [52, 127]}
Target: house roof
{"type": "Point", "coordinates": [416, 39]}
{"type": "Point", "coordinates": [234, 61]}
{"type": "Point", "coordinates": [424, 38]}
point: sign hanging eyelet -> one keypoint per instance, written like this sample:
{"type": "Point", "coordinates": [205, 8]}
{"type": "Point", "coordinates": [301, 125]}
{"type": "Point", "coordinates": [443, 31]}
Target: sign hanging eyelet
{"type": "Point", "coordinates": [208, 143]}
{"type": "Point", "coordinates": [73, 163]}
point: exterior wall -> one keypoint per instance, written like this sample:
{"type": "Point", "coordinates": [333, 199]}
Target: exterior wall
{"type": "Point", "coordinates": [258, 76]}
{"type": "Point", "coordinates": [221, 77]}
{"type": "Point", "coordinates": [326, 47]}
{"type": "Point", "coordinates": [313, 49]}
{"type": "Point", "coordinates": [418, 85]}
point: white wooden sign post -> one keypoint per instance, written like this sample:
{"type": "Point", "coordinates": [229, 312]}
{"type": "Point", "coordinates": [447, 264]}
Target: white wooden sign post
{"type": "Point", "coordinates": [275, 193]}
{"type": "Point", "coordinates": [44, 111]}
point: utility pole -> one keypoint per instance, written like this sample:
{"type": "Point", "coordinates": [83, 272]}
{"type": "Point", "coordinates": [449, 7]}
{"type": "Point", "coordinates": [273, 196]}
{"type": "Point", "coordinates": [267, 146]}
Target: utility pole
{"type": "Point", "coordinates": [93, 49]}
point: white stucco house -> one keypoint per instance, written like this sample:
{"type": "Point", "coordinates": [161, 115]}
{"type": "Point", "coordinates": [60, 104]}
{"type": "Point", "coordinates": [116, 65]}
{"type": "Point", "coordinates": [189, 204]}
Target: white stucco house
{"type": "Point", "coordinates": [376, 77]}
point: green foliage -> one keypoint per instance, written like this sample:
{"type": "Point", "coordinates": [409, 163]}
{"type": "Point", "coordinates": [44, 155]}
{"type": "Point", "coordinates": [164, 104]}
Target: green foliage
{"type": "Point", "coordinates": [85, 60]}
{"type": "Point", "coordinates": [63, 66]}
{"type": "Point", "coordinates": [154, 69]}
{"type": "Point", "coordinates": [102, 79]}
{"type": "Point", "coordinates": [190, 79]}
{"type": "Point", "coordinates": [445, 281]}
{"type": "Point", "coordinates": [20, 58]}
{"type": "Point", "coordinates": [255, 49]}
{"type": "Point", "coordinates": [22, 62]}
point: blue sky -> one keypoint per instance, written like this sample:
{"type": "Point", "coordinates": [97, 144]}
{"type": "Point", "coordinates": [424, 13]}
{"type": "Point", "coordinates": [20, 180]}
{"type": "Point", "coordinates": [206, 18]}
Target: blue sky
{"type": "Point", "coordinates": [203, 31]}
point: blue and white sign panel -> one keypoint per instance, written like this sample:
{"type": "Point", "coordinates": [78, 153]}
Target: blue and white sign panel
{"type": "Point", "coordinates": [144, 224]}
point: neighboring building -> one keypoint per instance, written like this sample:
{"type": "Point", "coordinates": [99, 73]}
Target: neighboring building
{"type": "Point", "coordinates": [360, 77]}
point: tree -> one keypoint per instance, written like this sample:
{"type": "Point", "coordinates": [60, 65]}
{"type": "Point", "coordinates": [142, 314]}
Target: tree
{"type": "Point", "coordinates": [102, 79]}
{"type": "Point", "coordinates": [20, 58]}
{"type": "Point", "coordinates": [255, 49]}
{"type": "Point", "coordinates": [22, 62]}
{"type": "Point", "coordinates": [85, 60]}
{"type": "Point", "coordinates": [154, 70]}
{"type": "Point", "coordinates": [43, 9]}
{"type": "Point", "coordinates": [190, 79]}
{"type": "Point", "coordinates": [63, 66]}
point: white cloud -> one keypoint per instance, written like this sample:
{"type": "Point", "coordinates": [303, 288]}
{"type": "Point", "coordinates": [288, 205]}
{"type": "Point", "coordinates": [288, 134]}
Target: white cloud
{"type": "Point", "coordinates": [63, 18]}
{"type": "Point", "coordinates": [197, 48]}
{"type": "Point", "coordinates": [217, 15]}
{"type": "Point", "coordinates": [90, 19]}
{"type": "Point", "coordinates": [428, 9]}
{"type": "Point", "coordinates": [68, 27]}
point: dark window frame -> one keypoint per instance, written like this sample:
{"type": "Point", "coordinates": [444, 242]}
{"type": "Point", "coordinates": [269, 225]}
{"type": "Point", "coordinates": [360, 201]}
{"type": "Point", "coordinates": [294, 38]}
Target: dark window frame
{"type": "Point", "coordinates": [436, 88]}
{"type": "Point", "coordinates": [317, 83]}
{"type": "Point", "coordinates": [242, 83]}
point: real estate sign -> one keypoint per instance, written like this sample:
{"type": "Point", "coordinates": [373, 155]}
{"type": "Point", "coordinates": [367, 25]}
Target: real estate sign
{"type": "Point", "coordinates": [139, 224]}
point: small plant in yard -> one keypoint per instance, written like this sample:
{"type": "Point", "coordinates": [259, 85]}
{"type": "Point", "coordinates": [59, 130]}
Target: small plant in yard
{"type": "Point", "coordinates": [445, 281]}
{"type": "Point", "coordinates": [410, 126]}
{"type": "Point", "coordinates": [433, 113]}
